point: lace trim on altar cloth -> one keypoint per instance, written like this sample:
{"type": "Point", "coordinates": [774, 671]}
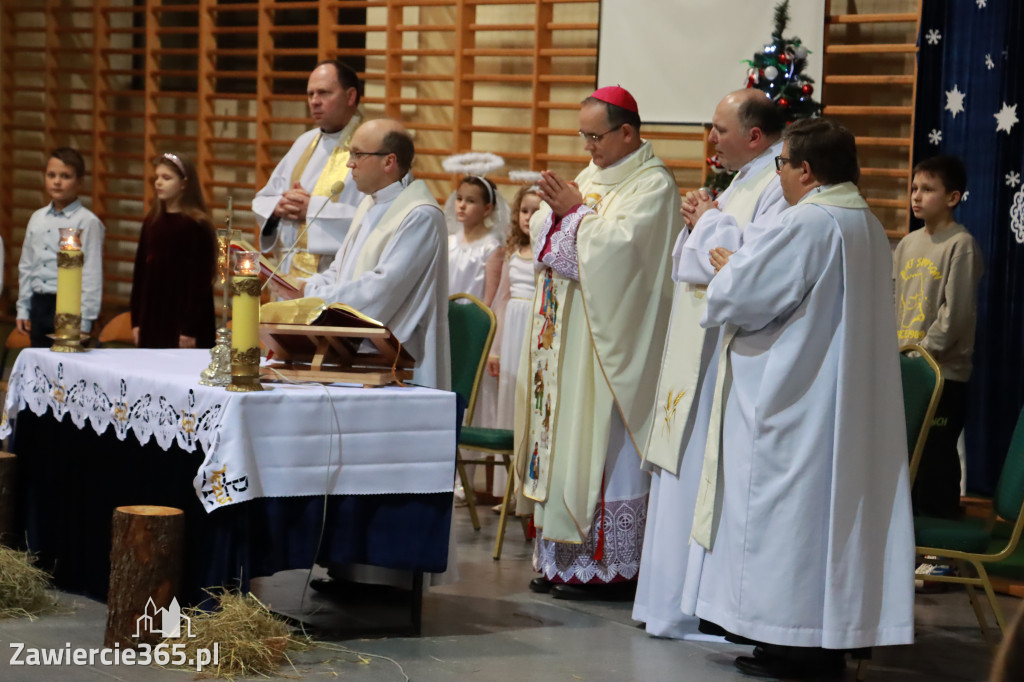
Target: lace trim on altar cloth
{"type": "Point", "coordinates": [563, 258]}
{"type": "Point", "coordinates": [624, 524]}
{"type": "Point", "coordinates": [146, 415]}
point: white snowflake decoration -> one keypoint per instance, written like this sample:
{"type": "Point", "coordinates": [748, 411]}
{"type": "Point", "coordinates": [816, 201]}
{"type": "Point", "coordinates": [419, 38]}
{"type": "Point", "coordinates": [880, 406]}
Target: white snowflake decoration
{"type": "Point", "coordinates": [933, 37]}
{"type": "Point", "coordinates": [1012, 179]}
{"type": "Point", "coordinates": [955, 101]}
{"type": "Point", "coordinates": [967, 193]}
{"type": "Point", "coordinates": [981, 3]}
{"type": "Point", "coordinates": [1017, 216]}
{"type": "Point", "coordinates": [1006, 118]}
{"type": "Point", "coordinates": [935, 136]}
{"type": "Point", "coordinates": [989, 64]}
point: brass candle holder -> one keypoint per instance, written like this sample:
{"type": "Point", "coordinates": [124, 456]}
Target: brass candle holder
{"type": "Point", "coordinates": [218, 372]}
{"type": "Point", "coordinates": [245, 323]}
{"type": "Point", "coordinates": [67, 322]}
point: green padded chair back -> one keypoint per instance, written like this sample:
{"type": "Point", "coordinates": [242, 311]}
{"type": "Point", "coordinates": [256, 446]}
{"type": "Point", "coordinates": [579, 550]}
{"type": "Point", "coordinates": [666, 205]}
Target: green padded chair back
{"type": "Point", "coordinates": [1009, 496]}
{"type": "Point", "coordinates": [922, 388]}
{"type": "Point", "coordinates": [471, 331]}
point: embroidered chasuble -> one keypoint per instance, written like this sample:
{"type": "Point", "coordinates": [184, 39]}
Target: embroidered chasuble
{"type": "Point", "coordinates": [594, 344]}
{"type": "Point", "coordinates": [680, 366]}
{"type": "Point", "coordinates": [304, 263]}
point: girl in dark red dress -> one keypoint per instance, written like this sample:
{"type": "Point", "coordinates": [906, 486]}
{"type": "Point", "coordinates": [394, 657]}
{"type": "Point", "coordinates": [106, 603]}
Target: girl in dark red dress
{"type": "Point", "coordinates": [172, 288]}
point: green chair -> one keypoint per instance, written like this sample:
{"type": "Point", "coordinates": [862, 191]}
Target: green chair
{"type": "Point", "coordinates": [922, 389]}
{"type": "Point", "coordinates": [471, 327]}
{"type": "Point", "coordinates": [972, 544]}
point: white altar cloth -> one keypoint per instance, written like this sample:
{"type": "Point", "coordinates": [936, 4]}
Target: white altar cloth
{"type": "Point", "coordinates": [281, 442]}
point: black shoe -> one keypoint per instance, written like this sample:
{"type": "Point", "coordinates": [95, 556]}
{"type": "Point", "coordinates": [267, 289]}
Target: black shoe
{"type": "Point", "coordinates": [624, 591]}
{"type": "Point", "coordinates": [347, 590]}
{"type": "Point", "coordinates": [706, 627]}
{"type": "Point", "coordinates": [540, 585]}
{"type": "Point", "coordinates": [740, 639]}
{"type": "Point", "coordinates": [331, 587]}
{"type": "Point", "coordinates": [816, 668]}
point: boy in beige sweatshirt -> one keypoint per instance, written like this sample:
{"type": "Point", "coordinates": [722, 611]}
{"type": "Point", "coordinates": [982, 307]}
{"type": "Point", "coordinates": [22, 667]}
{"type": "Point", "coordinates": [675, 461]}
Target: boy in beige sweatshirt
{"type": "Point", "coordinates": [937, 270]}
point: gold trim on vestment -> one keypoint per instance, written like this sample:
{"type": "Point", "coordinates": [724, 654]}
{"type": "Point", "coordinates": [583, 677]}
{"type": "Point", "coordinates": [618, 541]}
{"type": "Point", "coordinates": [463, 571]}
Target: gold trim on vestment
{"type": "Point", "coordinates": [304, 263]}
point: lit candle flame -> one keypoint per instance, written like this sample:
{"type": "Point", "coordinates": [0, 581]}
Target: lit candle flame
{"type": "Point", "coordinates": [246, 263]}
{"type": "Point", "coordinates": [70, 239]}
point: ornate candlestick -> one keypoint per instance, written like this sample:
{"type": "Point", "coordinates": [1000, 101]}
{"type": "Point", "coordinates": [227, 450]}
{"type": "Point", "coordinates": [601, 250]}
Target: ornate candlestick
{"type": "Point", "coordinates": [218, 373]}
{"type": "Point", "coordinates": [245, 323]}
{"type": "Point", "coordinates": [67, 321]}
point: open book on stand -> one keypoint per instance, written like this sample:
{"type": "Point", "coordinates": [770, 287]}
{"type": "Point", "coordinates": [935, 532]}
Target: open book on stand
{"type": "Point", "coordinates": [312, 340]}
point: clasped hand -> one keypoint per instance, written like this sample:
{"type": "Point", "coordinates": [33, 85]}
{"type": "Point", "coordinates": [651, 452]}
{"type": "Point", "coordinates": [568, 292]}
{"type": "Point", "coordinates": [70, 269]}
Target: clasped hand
{"type": "Point", "coordinates": [293, 204]}
{"type": "Point", "coordinates": [696, 204]}
{"type": "Point", "coordinates": [561, 195]}
{"type": "Point", "coordinates": [719, 256]}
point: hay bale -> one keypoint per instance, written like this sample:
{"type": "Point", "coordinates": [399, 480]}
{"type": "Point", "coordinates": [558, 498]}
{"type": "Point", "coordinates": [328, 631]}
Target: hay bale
{"type": "Point", "coordinates": [24, 589]}
{"type": "Point", "coordinates": [251, 640]}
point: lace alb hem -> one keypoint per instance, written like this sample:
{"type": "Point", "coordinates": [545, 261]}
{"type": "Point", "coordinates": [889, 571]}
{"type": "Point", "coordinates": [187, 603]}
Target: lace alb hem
{"type": "Point", "coordinates": [624, 524]}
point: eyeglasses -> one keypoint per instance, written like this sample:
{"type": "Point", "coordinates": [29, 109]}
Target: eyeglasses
{"type": "Point", "coordinates": [780, 161]}
{"type": "Point", "coordinates": [359, 155]}
{"type": "Point", "coordinates": [596, 137]}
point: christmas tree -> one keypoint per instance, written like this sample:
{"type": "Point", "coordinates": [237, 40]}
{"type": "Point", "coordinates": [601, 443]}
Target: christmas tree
{"type": "Point", "coordinates": [778, 71]}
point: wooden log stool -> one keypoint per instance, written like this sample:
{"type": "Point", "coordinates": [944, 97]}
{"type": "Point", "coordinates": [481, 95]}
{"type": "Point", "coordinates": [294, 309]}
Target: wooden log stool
{"type": "Point", "coordinates": [8, 472]}
{"type": "Point", "coordinates": [146, 556]}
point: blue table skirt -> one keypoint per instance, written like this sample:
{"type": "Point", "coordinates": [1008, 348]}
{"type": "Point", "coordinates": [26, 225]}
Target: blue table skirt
{"type": "Point", "coordinates": [70, 481]}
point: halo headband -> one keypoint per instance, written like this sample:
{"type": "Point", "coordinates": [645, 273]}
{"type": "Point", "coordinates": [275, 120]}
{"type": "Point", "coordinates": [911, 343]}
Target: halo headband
{"type": "Point", "coordinates": [173, 158]}
{"type": "Point", "coordinates": [486, 183]}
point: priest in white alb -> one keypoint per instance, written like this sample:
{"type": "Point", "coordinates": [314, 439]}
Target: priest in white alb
{"type": "Point", "coordinates": [746, 131]}
{"type": "Point", "coordinates": [803, 510]}
{"type": "Point", "coordinates": [585, 395]}
{"type": "Point", "coordinates": [393, 265]}
{"type": "Point", "coordinates": [302, 190]}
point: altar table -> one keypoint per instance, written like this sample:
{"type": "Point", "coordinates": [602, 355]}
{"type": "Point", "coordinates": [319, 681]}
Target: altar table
{"type": "Point", "coordinates": [264, 478]}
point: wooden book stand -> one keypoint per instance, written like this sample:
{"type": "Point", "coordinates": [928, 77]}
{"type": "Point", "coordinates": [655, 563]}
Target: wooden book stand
{"type": "Point", "coordinates": [334, 354]}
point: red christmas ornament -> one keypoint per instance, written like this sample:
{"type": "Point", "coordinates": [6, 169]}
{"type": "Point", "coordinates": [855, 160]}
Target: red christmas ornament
{"type": "Point", "coordinates": [709, 161]}
{"type": "Point", "coordinates": [807, 88]}
{"type": "Point", "coordinates": [783, 58]}
{"type": "Point", "coordinates": [750, 81]}
{"type": "Point", "coordinates": [783, 102]}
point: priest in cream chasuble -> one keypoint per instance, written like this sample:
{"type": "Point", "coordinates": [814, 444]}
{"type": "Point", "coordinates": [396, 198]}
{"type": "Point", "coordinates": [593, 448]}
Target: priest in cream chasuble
{"type": "Point", "coordinates": [585, 394]}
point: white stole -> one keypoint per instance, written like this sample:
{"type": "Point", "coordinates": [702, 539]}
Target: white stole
{"type": "Point", "coordinates": [416, 194]}
{"type": "Point", "coordinates": [680, 364]}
